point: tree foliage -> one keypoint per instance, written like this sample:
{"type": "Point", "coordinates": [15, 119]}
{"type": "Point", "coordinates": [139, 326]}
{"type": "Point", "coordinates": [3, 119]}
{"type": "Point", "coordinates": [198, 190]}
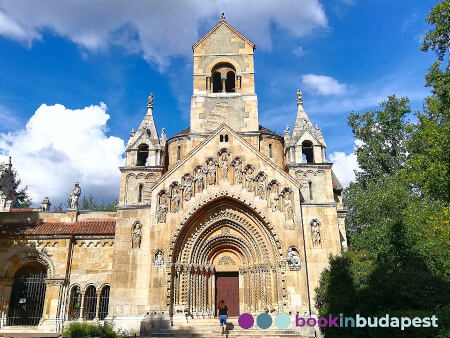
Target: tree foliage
{"type": "Point", "coordinates": [398, 221]}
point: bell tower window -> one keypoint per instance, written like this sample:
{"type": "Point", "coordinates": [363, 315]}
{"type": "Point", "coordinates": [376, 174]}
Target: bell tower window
{"type": "Point", "coordinates": [217, 83]}
{"type": "Point", "coordinates": [223, 78]}
{"type": "Point", "coordinates": [142, 155]}
{"type": "Point", "coordinates": [307, 150]}
{"type": "Point", "coordinates": [230, 83]}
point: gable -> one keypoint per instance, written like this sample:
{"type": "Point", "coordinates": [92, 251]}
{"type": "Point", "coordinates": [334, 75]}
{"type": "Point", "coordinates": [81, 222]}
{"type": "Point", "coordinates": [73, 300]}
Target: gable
{"type": "Point", "coordinates": [239, 153]}
{"type": "Point", "coordinates": [223, 38]}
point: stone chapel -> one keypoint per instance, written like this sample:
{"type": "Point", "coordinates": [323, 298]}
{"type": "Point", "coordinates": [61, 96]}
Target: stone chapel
{"type": "Point", "coordinates": [225, 209]}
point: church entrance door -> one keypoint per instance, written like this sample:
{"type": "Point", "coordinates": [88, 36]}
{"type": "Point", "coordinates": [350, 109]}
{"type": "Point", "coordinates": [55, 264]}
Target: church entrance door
{"type": "Point", "coordinates": [227, 289]}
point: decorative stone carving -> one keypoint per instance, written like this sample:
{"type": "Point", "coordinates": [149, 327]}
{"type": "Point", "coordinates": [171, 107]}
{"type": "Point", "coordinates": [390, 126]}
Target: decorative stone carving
{"type": "Point", "coordinates": [287, 131]}
{"type": "Point", "coordinates": [315, 233]}
{"type": "Point", "coordinates": [225, 231]}
{"type": "Point", "coordinates": [236, 164]}
{"type": "Point", "coordinates": [226, 260]}
{"type": "Point", "coordinates": [162, 209]}
{"type": "Point", "coordinates": [188, 189]}
{"type": "Point", "coordinates": [293, 259]}
{"type": "Point", "coordinates": [249, 178]}
{"type": "Point", "coordinates": [211, 172]}
{"type": "Point", "coordinates": [299, 98]}
{"type": "Point", "coordinates": [136, 236]}
{"type": "Point", "coordinates": [5, 202]}
{"type": "Point", "coordinates": [74, 196]}
{"type": "Point", "coordinates": [199, 183]}
{"type": "Point", "coordinates": [288, 207]}
{"type": "Point", "coordinates": [274, 198]}
{"type": "Point", "coordinates": [159, 259]}
{"type": "Point", "coordinates": [224, 167]}
{"type": "Point", "coordinates": [261, 189]}
{"type": "Point", "coordinates": [45, 205]}
{"type": "Point", "coordinates": [150, 101]}
{"type": "Point", "coordinates": [175, 199]}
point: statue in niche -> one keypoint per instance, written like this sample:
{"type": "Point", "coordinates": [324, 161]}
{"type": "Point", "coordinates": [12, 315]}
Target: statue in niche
{"type": "Point", "coordinates": [224, 167]}
{"type": "Point", "coordinates": [238, 175]}
{"type": "Point", "coordinates": [288, 208]}
{"type": "Point", "coordinates": [261, 188]}
{"type": "Point", "coordinates": [74, 196]}
{"type": "Point", "coordinates": [211, 172]}
{"type": "Point", "coordinates": [315, 233]}
{"type": "Point", "coordinates": [159, 259]}
{"type": "Point", "coordinates": [249, 179]}
{"type": "Point", "coordinates": [136, 236]}
{"type": "Point", "coordinates": [188, 189]}
{"type": "Point", "coordinates": [162, 209]}
{"type": "Point", "coordinates": [199, 179]}
{"type": "Point", "coordinates": [175, 200]}
{"type": "Point", "coordinates": [293, 259]}
{"type": "Point", "coordinates": [274, 198]}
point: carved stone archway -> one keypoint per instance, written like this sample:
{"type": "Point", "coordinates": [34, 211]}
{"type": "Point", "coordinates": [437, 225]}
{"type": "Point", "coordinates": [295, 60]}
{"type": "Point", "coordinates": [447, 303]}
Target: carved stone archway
{"type": "Point", "coordinates": [217, 225]}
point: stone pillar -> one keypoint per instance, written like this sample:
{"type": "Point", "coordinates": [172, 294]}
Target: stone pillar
{"type": "Point", "coordinates": [97, 308]}
{"type": "Point", "coordinates": [83, 293]}
{"type": "Point", "coordinates": [5, 294]}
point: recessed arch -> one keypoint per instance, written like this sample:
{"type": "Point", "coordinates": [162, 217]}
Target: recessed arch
{"type": "Point", "coordinates": [24, 257]}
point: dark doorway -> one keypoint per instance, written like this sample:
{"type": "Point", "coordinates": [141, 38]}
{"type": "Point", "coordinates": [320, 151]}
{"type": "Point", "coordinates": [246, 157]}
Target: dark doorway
{"type": "Point", "coordinates": [227, 289]}
{"type": "Point", "coordinates": [27, 295]}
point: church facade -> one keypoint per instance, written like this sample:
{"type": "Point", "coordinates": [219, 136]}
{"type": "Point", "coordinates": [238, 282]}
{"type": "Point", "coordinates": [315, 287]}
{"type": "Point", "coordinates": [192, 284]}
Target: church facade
{"type": "Point", "coordinates": [225, 209]}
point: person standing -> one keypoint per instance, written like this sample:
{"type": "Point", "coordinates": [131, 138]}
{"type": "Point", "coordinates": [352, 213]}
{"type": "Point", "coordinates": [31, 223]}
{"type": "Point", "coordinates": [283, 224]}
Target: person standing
{"type": "Point", "coordinates": [222, 312]}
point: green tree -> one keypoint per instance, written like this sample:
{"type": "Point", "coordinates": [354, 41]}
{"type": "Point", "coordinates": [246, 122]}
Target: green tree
{"type": "Point", "coordinates": [90, 203]}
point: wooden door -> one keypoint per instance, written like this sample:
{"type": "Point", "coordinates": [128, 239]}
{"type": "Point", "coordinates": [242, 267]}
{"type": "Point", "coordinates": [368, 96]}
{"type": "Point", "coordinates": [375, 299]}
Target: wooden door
{"type": "Point", "coordinates": [227, 289]}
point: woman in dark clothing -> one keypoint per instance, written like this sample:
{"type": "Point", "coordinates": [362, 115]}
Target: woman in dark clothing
{"type": "Point", "coordinates": [222, 312]}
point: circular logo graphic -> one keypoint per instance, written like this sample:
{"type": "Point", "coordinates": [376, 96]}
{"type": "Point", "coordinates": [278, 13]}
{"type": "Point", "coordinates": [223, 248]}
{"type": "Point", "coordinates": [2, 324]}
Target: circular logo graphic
{"type": "Point", "coordinates": [246, 320]}
{"type": "Point", "coordinates": [282, 321]}
{"type": "Point", "coordinates": [264, 320]}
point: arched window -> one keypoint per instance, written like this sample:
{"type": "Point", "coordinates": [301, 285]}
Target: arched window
{"type": "Point", "coordinates": [179, 153]}
{"type": "Point", "coordinates": [217, 83]}
{"type": "Point", "coordinates": [307, 150]}
{"type": "Point", "coordinates": [310, 186]}
{"type": "Point", "coordinates": [270, 150]}
{"type": "Point", "coordinates": [27, 295]}
{"type": "Point", "coordinates": [75, 303]}
{"type": "Point", "coordinates": [230, 83]}
{"type": "Point", "coordinates": [142, 155]}
{"type": "Point", "coordinates": [90, 302]}
{"type": "Point", "coordinates": [104, 303]}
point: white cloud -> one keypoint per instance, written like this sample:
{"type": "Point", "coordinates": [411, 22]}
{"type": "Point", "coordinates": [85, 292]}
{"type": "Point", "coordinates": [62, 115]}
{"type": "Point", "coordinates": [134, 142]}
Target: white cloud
{"type": "Point", "coordinates": [298, 51]}
{"type": "Point", "coordinates": [60, 146]}
{"type": "Point", "coordinates": [156, 29]}
{"type": "Point", "coordinates": [344, 166]}
{"type": "Point", "coordinates": [322, 85]}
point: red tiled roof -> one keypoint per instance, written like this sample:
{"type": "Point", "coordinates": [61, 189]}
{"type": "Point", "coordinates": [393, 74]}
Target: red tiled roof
{"type": "Point", "coordinates": [96, 227]}
{"type": "Point", "coordinates": [23, 209]}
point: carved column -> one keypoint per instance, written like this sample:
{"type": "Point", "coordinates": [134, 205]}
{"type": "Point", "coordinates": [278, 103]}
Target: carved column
{"type": "Point", "coordinates": [97, 308]}
{"type": "Point", "coordinates": [6, 288]}
{"type": "Point", "coordinates": [83, 293]}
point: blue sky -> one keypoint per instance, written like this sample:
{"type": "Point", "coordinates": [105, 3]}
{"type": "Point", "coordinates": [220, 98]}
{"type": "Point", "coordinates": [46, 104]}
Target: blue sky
{"type": "Point", "coordinates": [75, 75]}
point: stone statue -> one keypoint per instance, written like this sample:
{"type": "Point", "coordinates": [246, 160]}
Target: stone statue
{"type": "Point", "coordinates": [175, 200]}
{"type": "Point", "coordinates": [288, 208]}
{"type": "Point", "coordinates": [159, 259]}
{"type": "Point", "coordinates": [224, 167]}
{"type": "Point", "coordinates": [249, 179]}
{"type": "Point", "coordinates": [150, 101]}
{"type": "Point", "coordinates": [299, 98]}
{"type": "Point", "coordinates": [45, 204]}
{"type": "Point", "coordinates": [211, 172]}
{"type": "Point", "coordinates": [199, 179]}
{"type": "Point", "coordinates": [74, 196]}
{"type": "Point", "coordinates": [188, 189]}
{"type": "Point", "coordinates": [274, 198]}
{"type": "Point", "coordinates": [222, 17]}
{"type": "Point", "coordinates": [162, 209]}
{"type": "Point", "coordinates": [315, 233]}
{"type": "Point", "coordinates": [293, 259]}
{"type": "Point", "coordinates": [261, 188]}
{"type": "Point", "coordinates": [136, 236]}
{"type": "Point", "coordinates": [287, 131]}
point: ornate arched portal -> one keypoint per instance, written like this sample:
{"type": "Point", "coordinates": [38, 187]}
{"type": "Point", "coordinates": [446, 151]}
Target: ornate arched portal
{"type": "Point", "coordinates": [220, 230]}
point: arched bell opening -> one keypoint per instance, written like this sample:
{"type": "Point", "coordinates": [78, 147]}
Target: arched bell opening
{"type": "Point", "coordinates": [225, 244]}
{"type": "Point", "coordinates": [223, 78]}
{"type": "Point", "coordinates": [27, 295]}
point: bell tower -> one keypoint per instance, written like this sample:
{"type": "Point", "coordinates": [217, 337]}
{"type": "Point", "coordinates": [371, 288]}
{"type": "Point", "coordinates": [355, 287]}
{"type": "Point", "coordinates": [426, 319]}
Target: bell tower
{"type": "Point", "coordinates": [224, 81]}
